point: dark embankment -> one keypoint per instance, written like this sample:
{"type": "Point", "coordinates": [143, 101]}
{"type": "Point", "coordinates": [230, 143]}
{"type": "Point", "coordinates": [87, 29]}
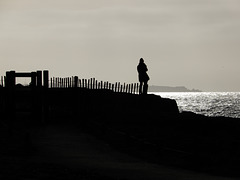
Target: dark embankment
{"type": "Point", "coordinates": [148, 127]}
{"type": "Point", "coordinates": [151, 127]}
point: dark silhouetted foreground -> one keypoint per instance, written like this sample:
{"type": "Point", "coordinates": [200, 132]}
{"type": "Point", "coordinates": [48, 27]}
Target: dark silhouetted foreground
{"type": "Point", "coordinates": [98, 133]}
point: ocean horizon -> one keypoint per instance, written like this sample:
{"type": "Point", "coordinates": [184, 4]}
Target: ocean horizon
{"type": "Point", "coordinates": [215, 104]}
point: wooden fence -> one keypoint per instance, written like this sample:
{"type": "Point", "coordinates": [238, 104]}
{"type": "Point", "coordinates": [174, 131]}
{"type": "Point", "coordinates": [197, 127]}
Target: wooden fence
{"type": "Point", "coordinates": [40, 82]}
{"type": "Point", "coordinates": [92, 83]}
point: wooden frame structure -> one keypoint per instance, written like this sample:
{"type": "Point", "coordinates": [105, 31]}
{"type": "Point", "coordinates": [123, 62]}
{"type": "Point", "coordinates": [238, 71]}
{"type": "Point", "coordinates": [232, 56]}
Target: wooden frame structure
{"type": "Point", "coordinates": [36, 78]}
{"type": "Point", "coordinates": [38, 91]}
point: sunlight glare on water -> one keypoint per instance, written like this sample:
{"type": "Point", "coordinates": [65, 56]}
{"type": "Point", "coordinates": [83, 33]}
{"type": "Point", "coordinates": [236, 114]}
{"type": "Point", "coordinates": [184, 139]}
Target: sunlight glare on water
{"type": "Point", "coordinates": [207, 103]}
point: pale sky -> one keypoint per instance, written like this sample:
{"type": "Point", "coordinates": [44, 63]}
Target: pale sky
{"type": "Point", "coordinates": [192, 43]}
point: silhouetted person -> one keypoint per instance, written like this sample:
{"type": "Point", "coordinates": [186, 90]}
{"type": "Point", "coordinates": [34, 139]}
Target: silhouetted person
{"type": "Point", "coordinates": [142, 76]}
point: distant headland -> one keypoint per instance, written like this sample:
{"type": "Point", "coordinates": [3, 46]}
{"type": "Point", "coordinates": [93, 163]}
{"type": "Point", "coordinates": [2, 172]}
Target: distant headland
{"type": "Point", "coordinates": [154, 88]}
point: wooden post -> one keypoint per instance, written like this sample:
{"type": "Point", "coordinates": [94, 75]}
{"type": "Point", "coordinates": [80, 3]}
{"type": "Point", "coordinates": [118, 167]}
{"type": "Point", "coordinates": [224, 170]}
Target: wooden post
{"type": "Point", "coordinates": [57, 82]}
{"type": "Point", "coordinates": [50, 82]}
{"type": "Point", "coordinates": [53, 82]}
{"type": "Point", "coordinates": [34, 79]}
{"type": "Point", "coordinates": [93, 83]}
{"type": "Point", "coordinates": [101, 85]}
{"type": "Point", "coordinates": [39, 79]}
{"type": "Point", "coordinates": [88, 84]}
{"type": "Point", "coordinates": [75, 82]}
{"type": "Point", "coordinates": [83, 83]}
{"type": "Point", "coordinates": [116, 87]}
{"type": "Point", "coordinates": [121, 87]}
{"type": "Point", "coordinates": [112, 87]}
{"type": "Point", "coordinates": [134, 89]}
{"type": "Point", "coordinates": [105, 85]}
{"type": "Point", "coordinates": [131, 88]}
{"type": "Point", "coordinates": [79, 82]}
{"type": "Point", "coordinates": [36, 98]}
{"type": "Point", "coordinates": [96, 84]}
{"type": "Point", "coordinates": [45, 105]}
{"type": "Point", "coordinates": [10, 95]}
{"type": "Point", "coordinates": [60, 82]}
{"type": "Point", "coordinates": [5, 81]}
{"type": "Point", "coordinates": [45, 79]}
{"type": "Point", "coordinates": [137, 88]}
{"type": "Point", "coordinates": [12, 79]}
{"type": "Point", "coordinates": [124, 85]}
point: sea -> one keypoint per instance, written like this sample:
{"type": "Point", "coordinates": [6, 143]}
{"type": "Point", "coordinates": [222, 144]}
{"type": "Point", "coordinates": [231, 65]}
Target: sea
{"type": "Point", "coordinates": [225, 104]}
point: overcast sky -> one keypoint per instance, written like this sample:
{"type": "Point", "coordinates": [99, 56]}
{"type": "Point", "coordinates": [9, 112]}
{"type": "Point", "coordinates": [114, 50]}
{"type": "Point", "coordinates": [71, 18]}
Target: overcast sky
{"type": "Point", "coordinates": [192, 43]}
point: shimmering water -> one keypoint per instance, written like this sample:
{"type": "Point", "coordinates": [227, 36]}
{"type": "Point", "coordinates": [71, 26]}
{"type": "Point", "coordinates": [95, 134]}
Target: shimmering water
{"type": "Point", "coordinates": [207, 103]}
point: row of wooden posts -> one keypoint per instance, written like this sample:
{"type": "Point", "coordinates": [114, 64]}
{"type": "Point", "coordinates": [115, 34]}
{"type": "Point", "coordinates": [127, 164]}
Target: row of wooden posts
{"type": "Point", "coordinates": [92, 83]}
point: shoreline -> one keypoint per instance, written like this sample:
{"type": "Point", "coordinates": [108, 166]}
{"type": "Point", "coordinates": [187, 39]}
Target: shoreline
{"type": "Point", "coordinates": [210, 104]}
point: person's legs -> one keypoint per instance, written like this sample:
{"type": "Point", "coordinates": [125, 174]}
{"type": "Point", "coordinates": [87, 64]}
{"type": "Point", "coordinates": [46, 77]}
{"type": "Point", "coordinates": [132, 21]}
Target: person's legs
{"type": "Point", "coordinates": [145, 87]}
